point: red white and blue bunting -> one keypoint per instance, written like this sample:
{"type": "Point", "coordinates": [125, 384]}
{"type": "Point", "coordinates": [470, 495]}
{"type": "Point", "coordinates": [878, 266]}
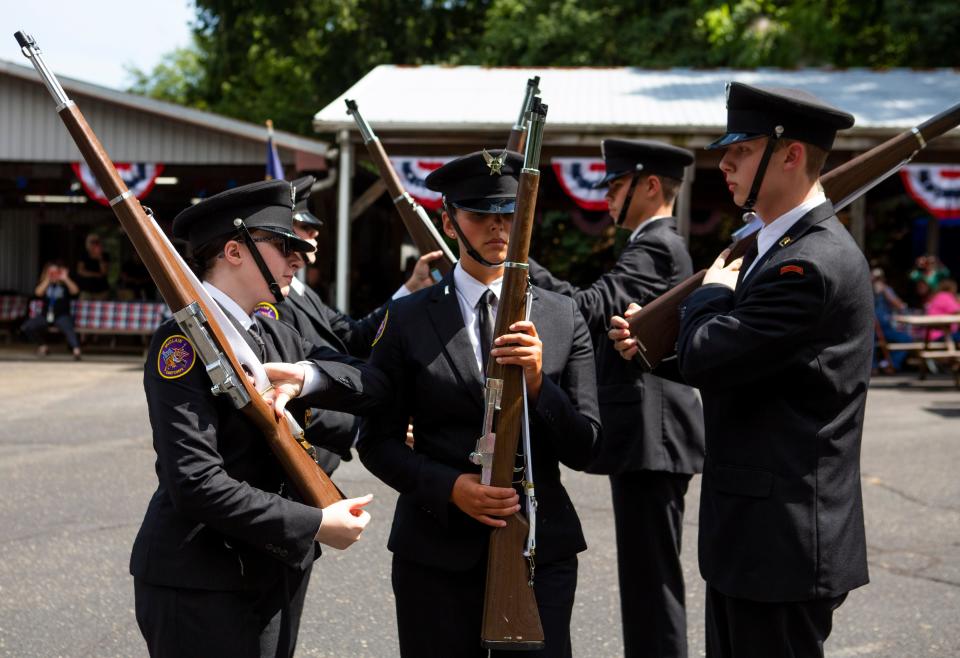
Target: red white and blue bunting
{"type": "Point", "coordinates": [936, 187]}
{"type": "Point", "coordinates": [138, 176]}
{"type": "Point", "coordinates": [577, 176]}
{"type": "Point", "coordinates": [412, 170]}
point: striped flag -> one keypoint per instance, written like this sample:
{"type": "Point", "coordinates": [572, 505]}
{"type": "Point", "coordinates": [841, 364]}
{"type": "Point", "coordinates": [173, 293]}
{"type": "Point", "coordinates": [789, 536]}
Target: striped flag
{"type": "Point", "coordinates": [274, 166]}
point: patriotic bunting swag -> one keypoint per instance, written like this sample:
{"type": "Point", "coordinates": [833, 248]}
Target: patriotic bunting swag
{"type": "Point", "coordinates": [577, 176]}
{"type": "Point", "coordinates": [936, 187]}
{"type": "Point", "coordinates": [139, 177]}
{"type": "Point", "coordinates": [412, 171]}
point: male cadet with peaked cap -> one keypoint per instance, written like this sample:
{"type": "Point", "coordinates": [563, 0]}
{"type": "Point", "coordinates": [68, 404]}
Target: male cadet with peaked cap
{"type": "Point", "coordinates": [332, 433]}
{"type": "Point", "coordinates": [432, 347]}
{"type": "Point", "coordinates": [223, 558]}
{"type": "Point", "coordinates": [780, 346]}
{"type": "Point", "coordinates": [652, 428]}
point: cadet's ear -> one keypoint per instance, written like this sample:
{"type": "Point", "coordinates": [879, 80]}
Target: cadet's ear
{"type": "Point", "coordinates": [448, 229]}
{"type": "Point", "coordinates": [795, 156]}
{"type": "Point", "coordinates": [231, 252]}
{"type": "Point", "coordinates": [653, 186]}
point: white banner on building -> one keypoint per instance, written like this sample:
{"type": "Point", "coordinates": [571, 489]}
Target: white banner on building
{"type": "Point", "coordinates": [936, 187]}
{"type": "Point", "coordinates": [139, 178]}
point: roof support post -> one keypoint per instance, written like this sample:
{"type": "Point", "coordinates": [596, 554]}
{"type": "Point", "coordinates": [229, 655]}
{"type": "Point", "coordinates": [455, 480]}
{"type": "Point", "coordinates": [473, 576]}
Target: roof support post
{"type": "Point", "coordinates": [343, 220]}
{"type": "Point", "coordinates": [683, 202]}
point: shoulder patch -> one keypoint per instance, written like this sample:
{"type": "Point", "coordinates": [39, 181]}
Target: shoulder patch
{"type": "Point", "coordinates": [267, 310]}
{"type": "Point", "coordinates": [176, 357]}
{"type": "Point", "coordinates": [796, 269]}
{"type": "Point", "coordinates": [381, 329]}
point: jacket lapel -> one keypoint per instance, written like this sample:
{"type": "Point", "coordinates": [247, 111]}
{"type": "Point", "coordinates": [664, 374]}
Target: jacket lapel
{"type": "Point", "coordinates": [316, 317]}
{"type": "Point", "coordinates": [811, 218]}
{"type": "Point", "coordinates": [447, 320]}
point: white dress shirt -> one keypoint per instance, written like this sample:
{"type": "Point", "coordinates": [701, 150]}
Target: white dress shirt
{"type": "Point", "coordinates": [772, 232]}
{"type": "Point", "coordinates": [311, 373]}
{"type": "Point", "coordinates": [469, 291]}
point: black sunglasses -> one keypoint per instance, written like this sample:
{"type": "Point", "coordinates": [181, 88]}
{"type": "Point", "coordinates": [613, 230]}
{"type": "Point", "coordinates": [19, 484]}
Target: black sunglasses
{"type": "Point", "coordinates": [282, 243]}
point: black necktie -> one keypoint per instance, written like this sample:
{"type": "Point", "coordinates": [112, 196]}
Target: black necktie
{"type": "Point", "coordinates": [748, 259]}
{"type": "Point", "coordinates": [485, 318]}
{"type": "Point", "coordinates": [261, 348]}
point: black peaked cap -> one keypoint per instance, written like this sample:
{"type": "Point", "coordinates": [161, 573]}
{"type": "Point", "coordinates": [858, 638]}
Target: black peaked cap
{"type": "Point", "coordinates": [754, 112]}
{"type": "Point", "coordinates": [265, 205]}
{"type": "Point", "coordinates": [484, 181]}
{"type": "Point", "coordinates": [301, 193]}
{"type": "Point", "coordinates": [625, 156]}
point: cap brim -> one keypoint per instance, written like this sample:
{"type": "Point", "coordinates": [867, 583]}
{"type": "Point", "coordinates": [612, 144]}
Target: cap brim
{"type": "Point", "coordinates": [296, 242]}
{"type": "Point", "coordinates": [499, 206]}
{"type": "Point", "coordinates": [732, 138]}
{"type": "Point", "coordinates": [605, 181]}
{"type": "Point", "coordinates": [307, 217]}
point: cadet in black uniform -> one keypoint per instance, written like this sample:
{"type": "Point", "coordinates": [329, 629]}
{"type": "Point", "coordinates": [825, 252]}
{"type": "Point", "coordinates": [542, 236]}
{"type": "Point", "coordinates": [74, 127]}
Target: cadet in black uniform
{"type": "Point", "coordinates": [780, 346]}
{"type": "Point", "coordinates": [430, 347]}
{"type": "Point", "coordinates": [332, 433]}
{"type": "Point", "coordinates": [652, 427]}
{"type": "Point", "coordinates": [223, 558]}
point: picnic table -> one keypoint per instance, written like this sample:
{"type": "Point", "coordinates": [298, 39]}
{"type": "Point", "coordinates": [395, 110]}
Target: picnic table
{"type": "Point", "coordinates": [112, 318]}
{"type": "Point", "coordinates": [943, 350]}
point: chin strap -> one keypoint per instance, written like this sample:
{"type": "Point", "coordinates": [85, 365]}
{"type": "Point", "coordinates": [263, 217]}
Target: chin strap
{"type": "Point", "coordinates": [258, 259]}
{"type": "Point", "coordinates": [473, 253]}
{"type": "Point", "coordinates": [622, 216]}
{"type": "Point", "coordinates": [761, 171]}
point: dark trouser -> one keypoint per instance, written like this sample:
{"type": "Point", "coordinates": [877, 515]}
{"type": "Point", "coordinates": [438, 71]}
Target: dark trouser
{"type": "Point", "coordinates": [738, 628]}
{"type": "Point", "coordinates": [191, 622]}
{"type": "Point", "coordinates": [36, 329]}
{"type": "Point", "coordinates": [439, 612]}
{"type": "Point", "coordinates": [648, 512]}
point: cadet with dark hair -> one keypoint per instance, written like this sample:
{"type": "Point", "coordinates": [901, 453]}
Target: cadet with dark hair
{"type": "Point", "coordinates": [780, 345]}
{"type": "Point", "coordinates": [433, 345]}
{"type": "Point", "coordinates": [652, 427]}
{"type": "Point", "coordinates": [223, 558]}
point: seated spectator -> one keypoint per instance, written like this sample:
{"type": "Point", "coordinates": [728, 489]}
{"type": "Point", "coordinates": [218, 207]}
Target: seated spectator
{"type": "Point", "coordinates": [885, 304]}
{"type": "Point", "coordinates": [92, 270]}
{"type": "Point", "coordinates": [928, 268]}
{"type": "Point", "coordinates": [944, 302]}
{"type": "Point", "coordinates": [56, 289]}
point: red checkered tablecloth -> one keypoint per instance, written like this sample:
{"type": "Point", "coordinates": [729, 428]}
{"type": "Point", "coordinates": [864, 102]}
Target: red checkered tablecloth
{"type": "Point", "coordinates": [12, 307]}
{"type": "Point", "coordinates": [112, 315]}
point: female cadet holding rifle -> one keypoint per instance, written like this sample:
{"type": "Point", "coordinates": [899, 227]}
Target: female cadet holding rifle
{"type": "Point", "coordinates": [223, 557]}
{"type": "Point", "coordinates": [432, 346]}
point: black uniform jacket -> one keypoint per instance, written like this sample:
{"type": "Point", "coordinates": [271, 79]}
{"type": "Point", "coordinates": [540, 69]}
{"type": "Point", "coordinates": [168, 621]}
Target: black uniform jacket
{"type": "Point", "coordinates": [425, 351]}
{"type": "Point", "coordinates": [339, 331]}
{"type": "Point", "coordinates": [319, 324]}
{"type": "Point", "coordinates": [224, 517]}
{"type": "Point", "coordinates": [783, 365]}
{"type": "Point", "coordinates": [649, 423]}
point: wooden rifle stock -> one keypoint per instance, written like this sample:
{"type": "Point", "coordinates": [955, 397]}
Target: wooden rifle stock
{"type": "Point", "coordinates": [179, 289]}
{"type": "Point", "coordinates": [511, 619]}
{"type": "Point", "coordinates": [418, 224]}
{"type": "Point", "coordinates": [657, 325]}
{"type": "Point", "coordinates": [515, 141]}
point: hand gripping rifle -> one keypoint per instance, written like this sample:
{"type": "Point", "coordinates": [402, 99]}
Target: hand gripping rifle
{"type": "Point", "coordinates": [419, 225]}
{"type": "Point", "coordinates": [657, 325]}
{"type": "Point", "coordinates": [223, 351]}
{"type": "Point", "coordinates": [515, 141]}
{"type": "Point", "coordinates": [511, 620]}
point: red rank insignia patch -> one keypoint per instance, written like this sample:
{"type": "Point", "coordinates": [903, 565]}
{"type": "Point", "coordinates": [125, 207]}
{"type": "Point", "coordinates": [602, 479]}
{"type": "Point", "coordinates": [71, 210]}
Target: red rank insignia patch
{"type": "Point", "coordinates": [791, 268]}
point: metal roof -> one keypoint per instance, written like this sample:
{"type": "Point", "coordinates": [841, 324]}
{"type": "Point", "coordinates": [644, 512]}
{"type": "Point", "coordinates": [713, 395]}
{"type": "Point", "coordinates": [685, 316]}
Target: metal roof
{"type": "Point", "coordinates": [184, 133]}
{"type": "Point", "coordinates": [625, 100]}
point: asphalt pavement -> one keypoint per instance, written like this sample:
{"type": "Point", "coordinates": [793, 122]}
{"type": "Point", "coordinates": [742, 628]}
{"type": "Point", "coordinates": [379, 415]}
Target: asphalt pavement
{"type": "Point", "coordinates": [76, 472]}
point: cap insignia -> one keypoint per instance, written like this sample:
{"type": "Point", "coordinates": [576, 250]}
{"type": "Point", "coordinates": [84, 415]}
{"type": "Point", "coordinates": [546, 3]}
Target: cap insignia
{"type": "Point", "coordinates": [495, 164]}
